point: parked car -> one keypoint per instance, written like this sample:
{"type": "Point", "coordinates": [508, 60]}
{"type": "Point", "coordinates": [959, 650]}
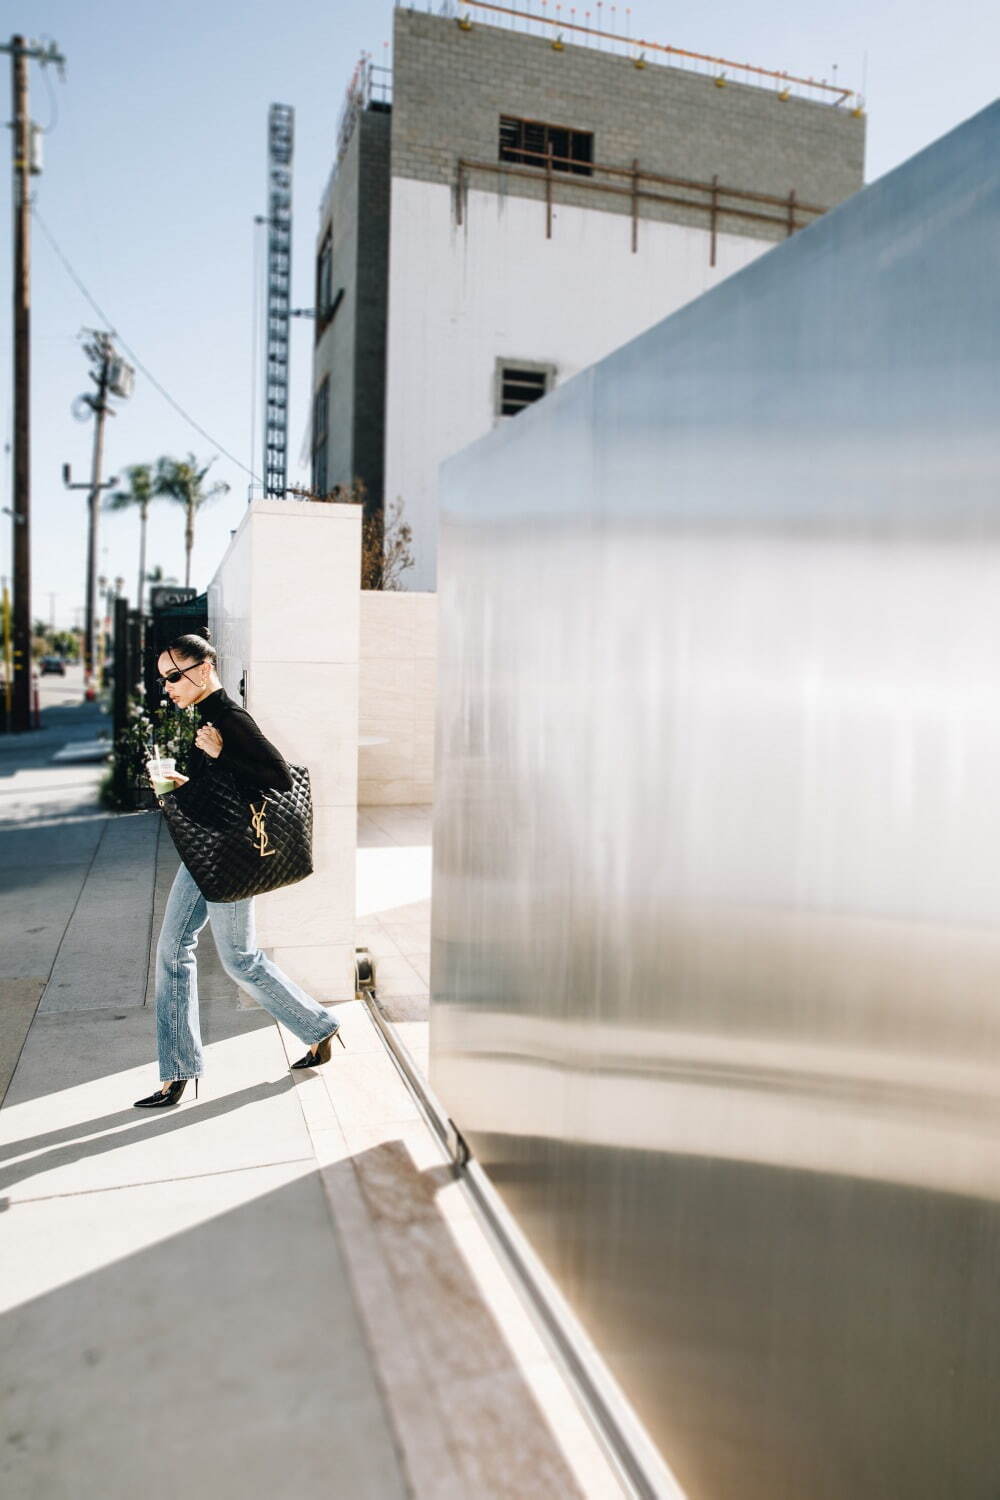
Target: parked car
{"type": "Point", "coordinates": [53, 665]}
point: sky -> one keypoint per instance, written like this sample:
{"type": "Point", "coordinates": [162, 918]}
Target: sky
{"type": "Point", "coordinates": [155, 167]}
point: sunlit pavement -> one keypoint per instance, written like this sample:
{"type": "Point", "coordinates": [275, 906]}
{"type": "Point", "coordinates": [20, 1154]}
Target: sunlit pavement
{"type": "Point", "coordinates": [277, 1288]}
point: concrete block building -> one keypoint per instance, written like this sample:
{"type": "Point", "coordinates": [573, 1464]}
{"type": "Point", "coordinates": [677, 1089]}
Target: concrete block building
{"type": "Point", "coordinates": [524, 204]}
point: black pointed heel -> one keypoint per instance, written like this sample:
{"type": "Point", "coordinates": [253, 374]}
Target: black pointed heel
{"type": "Point", "coordinates": [322, 1053]}
{"type": "Point", "coordinates": [161, 1100]}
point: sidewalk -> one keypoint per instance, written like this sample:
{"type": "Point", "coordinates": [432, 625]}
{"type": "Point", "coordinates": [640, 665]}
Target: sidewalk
{"type": "Point", "coordinates": [278, 1288]}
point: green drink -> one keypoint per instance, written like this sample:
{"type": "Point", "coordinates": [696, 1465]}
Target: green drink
{"type": "Point", "coordinates": [159, 774]}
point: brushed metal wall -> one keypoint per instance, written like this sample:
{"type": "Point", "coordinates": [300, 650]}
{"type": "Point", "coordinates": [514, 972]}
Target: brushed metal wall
{"type": "Point", "coordinates": [716, 931]}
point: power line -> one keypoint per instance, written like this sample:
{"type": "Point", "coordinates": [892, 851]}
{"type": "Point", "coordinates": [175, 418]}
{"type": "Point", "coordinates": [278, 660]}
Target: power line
{"type": "Point", "coordinates": [131, 352]}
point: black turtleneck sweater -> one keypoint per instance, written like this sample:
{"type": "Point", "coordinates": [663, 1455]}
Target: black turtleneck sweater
{"type": "Point", "coordinates": [251, 758]}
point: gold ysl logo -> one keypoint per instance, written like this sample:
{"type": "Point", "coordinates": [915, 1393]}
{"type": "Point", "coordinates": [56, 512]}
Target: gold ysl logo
{"type": "Point", "coordinates": [257, 816]}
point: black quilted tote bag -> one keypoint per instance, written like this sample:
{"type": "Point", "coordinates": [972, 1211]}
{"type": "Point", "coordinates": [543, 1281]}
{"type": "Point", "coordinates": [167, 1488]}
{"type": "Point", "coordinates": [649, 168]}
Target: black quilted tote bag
{"type": "Point", "coordinates": [237, 844]}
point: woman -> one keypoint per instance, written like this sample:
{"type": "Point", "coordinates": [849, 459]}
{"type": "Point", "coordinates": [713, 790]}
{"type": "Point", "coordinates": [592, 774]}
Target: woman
{"type": "Point", "coordinates": [227, 734]}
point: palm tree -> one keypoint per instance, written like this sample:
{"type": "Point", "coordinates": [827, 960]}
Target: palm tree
{"type": "Point", "coordinates": [183, 481]}
{"type": "Point", "coordinates": [140, 492]}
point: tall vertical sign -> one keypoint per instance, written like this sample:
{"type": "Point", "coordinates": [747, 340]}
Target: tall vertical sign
{"type": "Point", "coordinates": [280, 138]}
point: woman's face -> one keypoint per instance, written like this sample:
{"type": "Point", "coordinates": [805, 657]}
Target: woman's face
{"type": "Point", "coordinates": [192, 682]}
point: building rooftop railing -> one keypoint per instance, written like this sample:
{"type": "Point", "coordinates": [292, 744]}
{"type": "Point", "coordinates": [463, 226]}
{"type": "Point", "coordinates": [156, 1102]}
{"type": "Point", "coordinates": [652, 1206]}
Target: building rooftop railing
{"type": "Point", "coordinates": [370, 82]}
{"type": "Point", "coordinates": [597, 26]}
{"type": "Point", "coordinates": [370, 87]}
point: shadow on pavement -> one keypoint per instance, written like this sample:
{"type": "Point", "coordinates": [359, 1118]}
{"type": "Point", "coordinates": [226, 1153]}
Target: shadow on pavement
{"type": "Point", "coordinates": [225, 1346]}
{"type": "Point", "coordinates": [61, 724]}
{"type": "Point", "coordinates": [204, 1342]}
{"type": "Point", "coordinates": [165, 1122]}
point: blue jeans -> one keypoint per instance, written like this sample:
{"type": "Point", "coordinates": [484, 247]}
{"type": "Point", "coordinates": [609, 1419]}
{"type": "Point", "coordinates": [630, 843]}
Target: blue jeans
{"type": "Point", "coordinates": [178, 1034]}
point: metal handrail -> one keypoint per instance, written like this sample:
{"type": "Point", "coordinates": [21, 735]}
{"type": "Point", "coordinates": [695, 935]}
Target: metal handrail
{"type": "Point", "coordinates": [626, 1444]}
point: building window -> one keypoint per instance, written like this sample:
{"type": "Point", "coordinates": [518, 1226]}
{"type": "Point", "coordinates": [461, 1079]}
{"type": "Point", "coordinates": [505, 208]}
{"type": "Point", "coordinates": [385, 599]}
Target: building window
{"type": "Point", "coordinates": [324, 282]}
{"type": "Point", "coordinates": [528, 142]}
{"type": "Point", "coordinates": [519, 383]}
{"type": "Point", "coordinates": [321, 421]}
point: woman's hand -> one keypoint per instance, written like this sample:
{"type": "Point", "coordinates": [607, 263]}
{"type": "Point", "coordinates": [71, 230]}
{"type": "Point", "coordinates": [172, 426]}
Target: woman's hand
{"type": "Point", "coordinates": [209, 739]}
{"type": "Point", "coordinates": [174, 776]}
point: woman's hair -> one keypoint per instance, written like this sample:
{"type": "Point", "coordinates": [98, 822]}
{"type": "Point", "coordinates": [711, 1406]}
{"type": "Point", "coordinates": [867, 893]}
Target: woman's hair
{"type": "Point", "coordinates": [194, 647]}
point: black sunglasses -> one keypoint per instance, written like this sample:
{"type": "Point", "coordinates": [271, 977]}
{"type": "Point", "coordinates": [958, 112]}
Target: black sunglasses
{"type": "Point", "coordinates": [175, 675]}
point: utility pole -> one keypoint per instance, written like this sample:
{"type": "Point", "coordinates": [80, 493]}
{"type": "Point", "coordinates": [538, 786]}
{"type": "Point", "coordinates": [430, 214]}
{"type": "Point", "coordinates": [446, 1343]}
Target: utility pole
{"type": "Point", "coordinates": [23, 139]}
{"type": "Point", "coordinates": [8, 656]}
{"type": "Point", "coordinates": [100, 351]}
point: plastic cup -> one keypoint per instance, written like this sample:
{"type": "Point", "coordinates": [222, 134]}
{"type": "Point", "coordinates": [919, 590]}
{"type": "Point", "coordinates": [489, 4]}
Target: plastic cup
{"type": "Point", "coordinates": [159, 771]}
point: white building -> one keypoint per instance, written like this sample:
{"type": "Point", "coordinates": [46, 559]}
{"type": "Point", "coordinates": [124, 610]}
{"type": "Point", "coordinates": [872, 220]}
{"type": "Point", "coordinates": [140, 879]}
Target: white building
{"type": "Point", "coordinates": [522, 207]}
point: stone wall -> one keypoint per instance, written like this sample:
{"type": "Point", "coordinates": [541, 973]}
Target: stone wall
{"type": "Point", "coordinates": [283, 608]}
{"type": "Point", "coordinates": [397, 697]}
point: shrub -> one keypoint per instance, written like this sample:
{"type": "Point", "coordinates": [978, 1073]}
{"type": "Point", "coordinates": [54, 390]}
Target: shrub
{"type": "Point", "coordinates": [172, 728]}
